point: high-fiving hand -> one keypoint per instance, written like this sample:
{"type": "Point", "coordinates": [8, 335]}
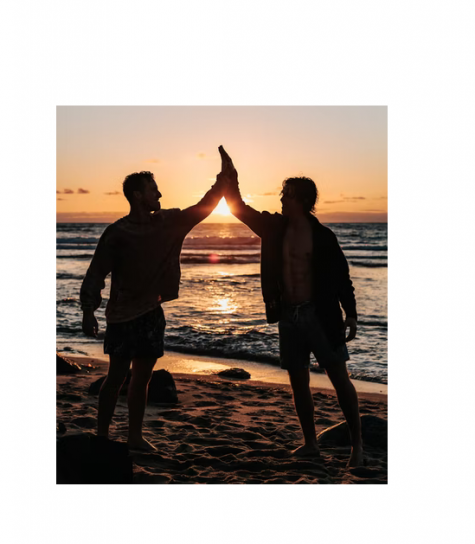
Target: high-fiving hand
{"type": "Point", "coordinates": [227, 167]}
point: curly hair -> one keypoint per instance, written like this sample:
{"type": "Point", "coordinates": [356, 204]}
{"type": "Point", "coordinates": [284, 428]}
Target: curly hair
{"type": "Point", "coordinates": [136, 182]}
{"type": "Point", "coordinates": [306, 191]}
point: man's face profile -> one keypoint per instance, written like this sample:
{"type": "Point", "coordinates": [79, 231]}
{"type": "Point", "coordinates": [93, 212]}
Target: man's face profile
{"type": "Point", "coordinates": [150, 196]}
{"type": "Point", "coordinates": [287, 198]}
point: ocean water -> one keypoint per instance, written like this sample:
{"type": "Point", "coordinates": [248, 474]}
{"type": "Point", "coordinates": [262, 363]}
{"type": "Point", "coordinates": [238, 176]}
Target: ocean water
{"type": "Point", "coordinates": [220, 311]}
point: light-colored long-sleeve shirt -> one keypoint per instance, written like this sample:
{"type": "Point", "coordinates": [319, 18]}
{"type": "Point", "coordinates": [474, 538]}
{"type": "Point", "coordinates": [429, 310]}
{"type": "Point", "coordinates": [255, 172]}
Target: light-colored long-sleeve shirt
{"type": "Point", "coordinates": [143, 259]}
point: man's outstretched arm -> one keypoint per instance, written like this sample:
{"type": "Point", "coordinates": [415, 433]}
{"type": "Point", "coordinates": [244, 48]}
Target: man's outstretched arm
{"type": "Point", "coordinates": [255, 220]}
{"type": "Point", "coordinates": [199, 211]}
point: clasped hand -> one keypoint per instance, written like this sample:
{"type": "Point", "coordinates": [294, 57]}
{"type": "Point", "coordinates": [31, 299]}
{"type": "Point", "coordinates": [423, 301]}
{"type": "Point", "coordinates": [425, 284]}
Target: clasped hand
{"type": "Point", "coordinates": [228, 176]}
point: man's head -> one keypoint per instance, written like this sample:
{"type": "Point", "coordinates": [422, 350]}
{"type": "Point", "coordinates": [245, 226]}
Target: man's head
{"type": "Point", "coordinates": [141, 190]}
{"type": "Point", "coordinates": [298, 195]}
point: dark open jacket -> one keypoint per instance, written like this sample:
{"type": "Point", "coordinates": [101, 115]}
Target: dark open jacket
{"type": "Point", "coordinates": [331, 279]}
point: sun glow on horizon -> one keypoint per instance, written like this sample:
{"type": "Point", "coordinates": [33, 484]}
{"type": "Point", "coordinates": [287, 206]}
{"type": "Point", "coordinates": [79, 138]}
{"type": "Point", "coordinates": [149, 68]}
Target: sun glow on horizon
{"type": "Point", "coordinates": [222, 208]}
{"type": "Point", "coordinates": [97, 146]}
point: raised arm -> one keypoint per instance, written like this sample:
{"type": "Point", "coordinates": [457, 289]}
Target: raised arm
{"type": "Point", "coordinates": [195, 214]}
{"type": "Point", "coordinates": [94, 282]}
{"type": "Point", "coordinates": [255, 220]}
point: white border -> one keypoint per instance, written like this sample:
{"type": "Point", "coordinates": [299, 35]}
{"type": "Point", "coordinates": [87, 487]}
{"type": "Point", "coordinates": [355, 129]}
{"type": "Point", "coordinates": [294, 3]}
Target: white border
{"type": "Point", "coordinates": [413, 57]}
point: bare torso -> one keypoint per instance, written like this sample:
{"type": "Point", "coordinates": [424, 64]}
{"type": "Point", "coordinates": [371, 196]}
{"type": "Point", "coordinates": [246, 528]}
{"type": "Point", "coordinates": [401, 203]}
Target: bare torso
{"type": "Point", "coordinates": [297, 260]}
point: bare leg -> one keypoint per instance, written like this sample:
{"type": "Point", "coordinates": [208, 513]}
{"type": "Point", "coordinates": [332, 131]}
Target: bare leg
{"type": "Point", "coordinates": [109, 393]}
{"type": "Point", "coordinates": [137, 399]}
{"type": "Point", "coordinates": [303, 400]}
{"type": "Point", "coordinates": [348, 400]}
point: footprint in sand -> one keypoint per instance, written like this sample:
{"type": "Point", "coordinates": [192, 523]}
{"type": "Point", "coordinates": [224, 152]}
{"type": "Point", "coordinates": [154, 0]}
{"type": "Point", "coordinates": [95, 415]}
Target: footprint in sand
{"type": "Point", "coordinates": [201, 421]}
{"type": "Point", "coordinates": [174, 415]}
{"type": "Point", "coordinates": [184, 448]}
{"type": "Point", "coordinates": [205, 403]}
{"type": "Point", "coordinates": [220, 396]}
{"type": "Point", "coordinates": [248, 435]}
{"type": "Point", "coordinates": [324, 421]}
{"type": "Point", "coordinates": [220, 451]}
{"type": "Point", "coordinates": [177, 436]}
{"type": "Point", "coordinates": [155, 423]}
{"type": "Point", "coordinates": [260, 444]}
{"type": "Point", "coordinates": [292, 427]}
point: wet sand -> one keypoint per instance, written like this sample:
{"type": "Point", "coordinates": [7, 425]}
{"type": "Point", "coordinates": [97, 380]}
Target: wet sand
{"type": "Point", "coordinates": [225, 431]}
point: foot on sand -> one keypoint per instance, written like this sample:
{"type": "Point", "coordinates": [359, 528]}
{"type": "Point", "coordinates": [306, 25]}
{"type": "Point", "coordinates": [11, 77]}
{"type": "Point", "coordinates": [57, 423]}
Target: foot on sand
{"type": "Point", "coordinates": [141, 445]}
{"type": "Point", "coordinates": [307, 450]}
{"type": "Point", "coordinates": [356, 457]}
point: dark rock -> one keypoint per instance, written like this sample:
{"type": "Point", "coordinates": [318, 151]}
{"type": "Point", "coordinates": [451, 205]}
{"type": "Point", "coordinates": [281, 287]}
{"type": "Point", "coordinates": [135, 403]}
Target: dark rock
{"type": "Point", "coordinates": [95, 387]}
{"type": "Point", "coordinates": [70, 397]}
{"type": "Point", "coordinates": [373, 429]}
{"type": "Point", "coordinates": [60, 428]}
{"type": "Point", "coordinates": [85, 422]}
{"type": "Point", "coordinates": [238, 373]}
{"type": "Point", "coordinates": [162, 388]}
{"type": "Point", "coordinates": [88, 459]}
{"type": "Point", "coordinates": [66, 366]}
{"type": "Point", "coordinates": [365, 472]}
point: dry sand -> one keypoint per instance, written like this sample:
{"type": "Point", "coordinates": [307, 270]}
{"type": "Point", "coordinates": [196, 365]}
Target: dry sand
{"type": "Point", "coordinates": [225, 431]}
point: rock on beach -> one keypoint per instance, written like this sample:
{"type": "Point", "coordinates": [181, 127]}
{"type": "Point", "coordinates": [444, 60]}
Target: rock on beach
{"type": "Point", "coordinates": [238, 373]}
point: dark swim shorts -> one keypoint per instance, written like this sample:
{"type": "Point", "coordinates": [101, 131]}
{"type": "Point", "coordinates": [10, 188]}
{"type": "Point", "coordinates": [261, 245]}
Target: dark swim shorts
{"type": "Point", "coordinates": [301, 333]}
{"type": "Point", "coordinates": [140, 337]}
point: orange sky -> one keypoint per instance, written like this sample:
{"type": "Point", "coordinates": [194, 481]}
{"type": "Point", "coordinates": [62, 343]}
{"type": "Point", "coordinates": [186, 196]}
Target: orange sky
{"type": "Point", "coordinates": [343, 149]}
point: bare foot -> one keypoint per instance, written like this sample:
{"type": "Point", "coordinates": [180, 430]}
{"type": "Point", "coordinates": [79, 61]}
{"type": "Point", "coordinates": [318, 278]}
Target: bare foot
{"type": "Point", "coordinates": [141, 445]}
{"type": "Point", "coordinates": [356, 457]}
{"type": "Point", "coordinates": [307, 450]}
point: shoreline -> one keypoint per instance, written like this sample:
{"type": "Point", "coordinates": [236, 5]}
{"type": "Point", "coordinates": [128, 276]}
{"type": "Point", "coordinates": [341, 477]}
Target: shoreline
{"type": "Point", "coordinates": [261, 373]}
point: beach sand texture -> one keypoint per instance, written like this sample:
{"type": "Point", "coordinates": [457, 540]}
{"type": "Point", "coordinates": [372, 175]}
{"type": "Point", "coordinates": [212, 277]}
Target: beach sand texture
{"type": "Point", "coordinates": [224, 431]}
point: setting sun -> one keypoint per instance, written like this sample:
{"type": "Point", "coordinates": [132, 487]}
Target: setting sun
{"type": "Point", "coordinates": [222, 208]}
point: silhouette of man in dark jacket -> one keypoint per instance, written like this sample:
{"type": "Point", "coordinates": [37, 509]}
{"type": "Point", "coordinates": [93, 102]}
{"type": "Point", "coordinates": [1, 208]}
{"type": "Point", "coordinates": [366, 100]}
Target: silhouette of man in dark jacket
{"type": "Point", "coordinates": [304, 278]}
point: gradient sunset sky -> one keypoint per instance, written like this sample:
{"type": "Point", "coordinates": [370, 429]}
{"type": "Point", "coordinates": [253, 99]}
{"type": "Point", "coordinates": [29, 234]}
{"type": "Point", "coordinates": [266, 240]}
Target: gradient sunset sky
{"type": "Point", "coordinates": [343, 149]}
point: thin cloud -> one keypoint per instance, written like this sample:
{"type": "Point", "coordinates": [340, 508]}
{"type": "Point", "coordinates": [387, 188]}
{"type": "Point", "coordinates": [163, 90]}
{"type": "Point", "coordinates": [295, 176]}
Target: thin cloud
{"type": "Point", "coordinates": [201, 155]}
{"type": "Point", "coordinates": [68, 192]}
{"type": "Point", "coordinates": [60, 199]}
{"type": "Point", "coordinates": [58, 192]}
{"type": "Point", "coordinates": [270, 193]}
{"type": "Point", "coordinates": [352, 197]}
{"type": "Point", "coordinates": [154, 161]}
{"type": "Point", "coordinates": [113, 193]}
{"type": "Point", "coordinates": [333, 201]}
{"type": "Point", "coordinates": [83, 191]}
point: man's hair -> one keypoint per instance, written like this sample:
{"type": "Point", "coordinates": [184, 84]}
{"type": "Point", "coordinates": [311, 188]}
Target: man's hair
{"type": "Point", "coordinates": [136, 182]}
{"type": "Point", "coordinates": [306, 191]}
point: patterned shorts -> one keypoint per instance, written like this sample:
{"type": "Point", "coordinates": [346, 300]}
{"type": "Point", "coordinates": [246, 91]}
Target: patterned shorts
{"type": "Point", "coordinates": [141, 337]}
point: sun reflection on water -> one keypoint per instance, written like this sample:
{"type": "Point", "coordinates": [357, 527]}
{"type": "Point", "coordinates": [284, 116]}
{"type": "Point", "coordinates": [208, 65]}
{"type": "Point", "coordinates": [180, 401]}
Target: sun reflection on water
{"type": "Point", "coordinates": [224, 305]}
